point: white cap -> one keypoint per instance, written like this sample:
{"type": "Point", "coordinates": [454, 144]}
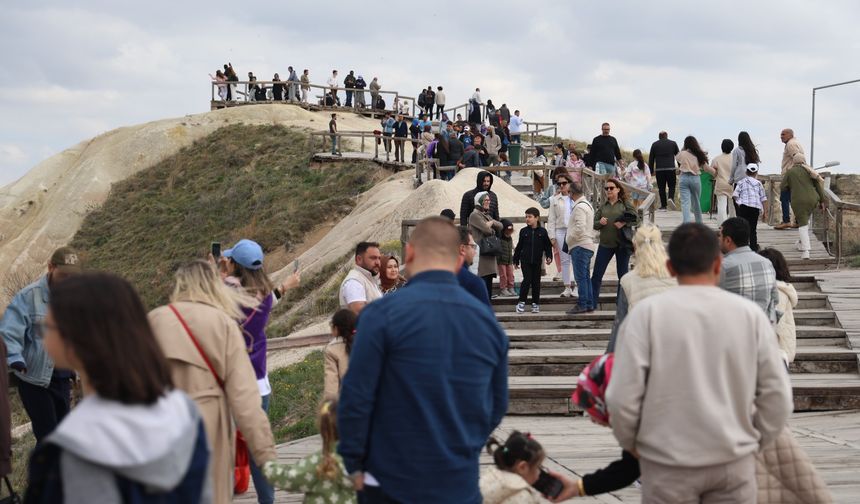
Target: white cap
{"type": "Point", "coordinates": [752, 167]}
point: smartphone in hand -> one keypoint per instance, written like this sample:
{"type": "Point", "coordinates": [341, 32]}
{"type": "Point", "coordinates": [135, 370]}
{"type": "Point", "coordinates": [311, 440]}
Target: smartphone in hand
{"type": "Point", "coordinates": [548, 485]}
{"type": "Point", "coordinates": [216, 250]}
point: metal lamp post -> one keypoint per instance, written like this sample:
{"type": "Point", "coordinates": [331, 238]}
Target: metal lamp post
{"type": "Point", "coordinates": [812, 134]}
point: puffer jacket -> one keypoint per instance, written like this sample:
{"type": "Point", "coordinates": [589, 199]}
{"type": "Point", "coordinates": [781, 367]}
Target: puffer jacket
{"type": "Point", "coordinates": [785, 475]}
{"type": "Point", "coordinates": [786, 332]}
{"type": "Point", "coordinates": [503, 487]}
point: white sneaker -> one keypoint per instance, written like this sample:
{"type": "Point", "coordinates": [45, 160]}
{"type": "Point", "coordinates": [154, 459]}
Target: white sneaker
{"type": "Point", "coordinates": [521, 307]}
{"type": "Point", "coordinates": [567, 293]}
{"type": "Point", "coordinates": [798, 246]}
{"type": "Point", "coordinates": [535, 308]}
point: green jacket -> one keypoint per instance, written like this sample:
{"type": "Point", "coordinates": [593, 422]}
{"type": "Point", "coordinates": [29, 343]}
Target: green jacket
{"type": "Point", "coordinates": [609, 233]}
{"type": "Point", "coordinates": [506, 256]}
{"type": "Point", "coordinates": [806, 193]}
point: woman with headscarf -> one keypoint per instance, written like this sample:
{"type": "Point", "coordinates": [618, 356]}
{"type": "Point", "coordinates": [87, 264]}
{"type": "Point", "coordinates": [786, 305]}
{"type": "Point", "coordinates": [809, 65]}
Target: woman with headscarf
{"type": "Point", "coordinates": [808, 195]}
{"type": "Point", "coordinates": [482, 225]}
{"type": "Point", "coordinates": [415, 133]}
{"type": "Point", "coordinates": [390, 278]}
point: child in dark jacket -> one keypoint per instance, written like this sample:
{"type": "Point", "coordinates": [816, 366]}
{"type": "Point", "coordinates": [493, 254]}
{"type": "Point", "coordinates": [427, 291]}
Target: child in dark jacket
{"type": "Point", "coordinates": [505, 260]}
{"type": "Point", "coordinates": [532, 246]}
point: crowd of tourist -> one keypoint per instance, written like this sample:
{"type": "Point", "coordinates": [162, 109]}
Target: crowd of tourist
{"type": "Point", "coordinates": [416, 372]}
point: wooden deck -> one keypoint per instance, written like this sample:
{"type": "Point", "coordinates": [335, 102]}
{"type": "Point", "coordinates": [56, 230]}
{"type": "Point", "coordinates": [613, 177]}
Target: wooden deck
{"type": "Point", "coordinates": [576, 446]}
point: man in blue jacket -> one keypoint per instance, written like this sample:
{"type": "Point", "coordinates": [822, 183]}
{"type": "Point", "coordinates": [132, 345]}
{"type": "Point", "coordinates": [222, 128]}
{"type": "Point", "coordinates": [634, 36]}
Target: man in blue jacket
{"type": "Point", "coordinates": [427, 382]}
{"type": "Point", "coordinates": [45, 391]}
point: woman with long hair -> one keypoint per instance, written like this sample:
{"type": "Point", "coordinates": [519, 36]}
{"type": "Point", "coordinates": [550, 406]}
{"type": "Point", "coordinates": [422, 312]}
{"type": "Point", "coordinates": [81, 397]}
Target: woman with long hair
{"type": "Point", "coordinates": [721, 169]}
{"type": "Point", "coordinates": [133, 437]}
{"type": "Point", "coordinates": [615, 213]}
{"type": "Point", "coordinates": [200, 334]}
{"type": "Point", "coordinates": [742, 155]}
{"type": "Point", "coordinates": [786, 331]}
{"type": "Point", "coordinates": [639, 175]}
{"type": "Point", "coordinates": [691, 161]}
{"type": "Point", "coordinates": [575, 164]}
{"type": "Point", "coordinates": [648, 278]}
{"type": "Point", "coordinates": [337, 351]}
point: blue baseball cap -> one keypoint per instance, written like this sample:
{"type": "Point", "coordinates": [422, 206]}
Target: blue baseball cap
{"type": "Point", "coordinates": [246, 253]}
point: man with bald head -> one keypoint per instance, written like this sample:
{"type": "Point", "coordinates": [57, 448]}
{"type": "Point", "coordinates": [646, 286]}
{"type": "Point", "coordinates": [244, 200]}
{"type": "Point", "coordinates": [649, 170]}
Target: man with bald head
{"type": "Point", "coordinates": [427, 382]}
{"type": "Point", "coordinates": [792, 147]}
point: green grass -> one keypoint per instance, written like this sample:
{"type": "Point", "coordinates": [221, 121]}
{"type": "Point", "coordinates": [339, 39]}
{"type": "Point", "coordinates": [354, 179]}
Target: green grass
{"type": "Point", "coordinates": [296, 393]}
{"type": "Point", "coordinates": [239, 182]}
{"type": "Point", "coordinates": [325, 302]}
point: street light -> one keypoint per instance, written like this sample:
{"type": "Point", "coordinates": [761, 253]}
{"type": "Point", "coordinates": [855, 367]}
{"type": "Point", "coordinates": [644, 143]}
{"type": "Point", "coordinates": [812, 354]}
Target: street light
{"type": "Point", "coordinates": [812, 134]}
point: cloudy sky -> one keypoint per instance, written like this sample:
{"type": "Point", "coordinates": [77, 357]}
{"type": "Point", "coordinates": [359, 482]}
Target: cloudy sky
{"type": "Point", "coordinates": [707, 69]}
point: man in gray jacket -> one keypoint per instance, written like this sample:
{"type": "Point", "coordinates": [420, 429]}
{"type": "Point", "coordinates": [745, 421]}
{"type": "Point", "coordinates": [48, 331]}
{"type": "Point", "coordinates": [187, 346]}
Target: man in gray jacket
{"type": "Point", "coordinates": [698, 383]}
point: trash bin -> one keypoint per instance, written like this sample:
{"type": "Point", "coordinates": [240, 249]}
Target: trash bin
{"type": "Point", "coordinates": [707, 181]}
{"type": "Point", "coordinates": [514, 150]}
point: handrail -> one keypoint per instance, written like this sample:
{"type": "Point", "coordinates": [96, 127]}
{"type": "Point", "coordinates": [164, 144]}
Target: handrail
{"type": "Point", "coordinates": [598, 197]}
{"type": "Point", "coordinates": [286, 83]}
{"type": "Point", "coordinates": [834, 209]}
{"type": "Point", "coordinates": [362, 135]}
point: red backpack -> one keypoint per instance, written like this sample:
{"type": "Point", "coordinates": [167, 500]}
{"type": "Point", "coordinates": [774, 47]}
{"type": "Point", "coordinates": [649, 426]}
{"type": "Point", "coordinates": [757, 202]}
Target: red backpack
{"type": "Point", "coordinates": [590, 393]}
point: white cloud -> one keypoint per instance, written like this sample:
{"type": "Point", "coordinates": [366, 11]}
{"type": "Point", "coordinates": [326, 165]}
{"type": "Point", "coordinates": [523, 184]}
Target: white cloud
{"type": "Point", "coordinates": [710, 70]}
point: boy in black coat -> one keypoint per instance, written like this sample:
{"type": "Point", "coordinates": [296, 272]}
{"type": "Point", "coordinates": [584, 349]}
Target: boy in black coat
{"type": "Point", "coordinates": [532, 246]}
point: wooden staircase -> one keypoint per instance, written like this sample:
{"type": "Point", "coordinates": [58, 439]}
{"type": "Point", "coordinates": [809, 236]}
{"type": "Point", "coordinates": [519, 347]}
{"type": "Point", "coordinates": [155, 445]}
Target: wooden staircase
{"type": "Point", "coordinates": [549, 349]}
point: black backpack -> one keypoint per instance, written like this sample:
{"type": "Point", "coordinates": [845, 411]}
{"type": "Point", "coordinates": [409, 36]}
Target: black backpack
{"type": "Point", "coordinates": [422, 99]}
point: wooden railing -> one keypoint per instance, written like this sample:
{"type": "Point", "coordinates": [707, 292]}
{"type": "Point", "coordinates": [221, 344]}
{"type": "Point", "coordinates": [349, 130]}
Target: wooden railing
{"type": "Point", "coordinates": [324, 137]}
{"type": "Point", "coordinates": [822, 220]}
{"type": "Point", "coordinates": [592, 186]}
{"type": "Point", "coordinates": [244, 94]}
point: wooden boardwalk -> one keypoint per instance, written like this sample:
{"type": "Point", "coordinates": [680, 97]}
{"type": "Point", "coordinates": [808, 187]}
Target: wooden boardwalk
{"type": "Point", "coordinates": [576, 446]}
{"type": "Point", "coordinates": [550, 348]}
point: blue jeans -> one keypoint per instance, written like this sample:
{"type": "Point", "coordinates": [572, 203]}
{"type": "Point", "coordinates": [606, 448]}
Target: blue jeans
{"type": "Point", "coordinates": [581, 258]}
{"type": "Point", "coordinates": [349, 98]}
{"type": "Point", "coordinates": [604, 255]}
{"type": "Point", "coordinates": [785, 202]}
{"type": "Point", "coordinates": [691, 192]}
{"type": "Point", "coordinates": [265, 491]}
{"type": "Point", "coordinates": [605, 168]}
{"type": "Point", "coordinates": [333, 145]}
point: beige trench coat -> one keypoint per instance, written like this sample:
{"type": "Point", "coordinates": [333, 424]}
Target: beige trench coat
{"type": "Point", "coordinates": [240, 401]}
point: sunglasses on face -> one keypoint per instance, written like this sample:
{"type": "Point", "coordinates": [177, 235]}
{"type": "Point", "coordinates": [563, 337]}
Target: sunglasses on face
{"type": "Point", "coordinates": [610, 188]}
{"type": "Point", "coordinates": [561, 183]}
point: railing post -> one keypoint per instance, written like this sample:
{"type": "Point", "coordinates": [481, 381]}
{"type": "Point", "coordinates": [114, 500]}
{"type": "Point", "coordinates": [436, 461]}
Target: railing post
{"type": "Point", "coordinates": [362, 143]}
{"type": "Point", "coordinates": [838, 235]}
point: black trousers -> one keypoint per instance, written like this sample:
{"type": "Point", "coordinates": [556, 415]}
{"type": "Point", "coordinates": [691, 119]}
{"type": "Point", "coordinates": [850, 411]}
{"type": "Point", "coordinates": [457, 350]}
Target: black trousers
{"type": "Point", "coordinates": [750, 214]}
{"type": "Point", "coordinates": [439, 110]}
{"type": "Point", "coordinates": [46, 406]}
{"type": "Point", "coordinates": [664, 178]}
{"type": "Point", "coordinates": [531, 280]}
{"type": "Point", "coordinates": [488, 282]}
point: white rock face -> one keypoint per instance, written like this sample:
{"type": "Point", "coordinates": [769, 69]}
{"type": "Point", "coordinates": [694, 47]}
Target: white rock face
{"type": "Point", "coordinates": [42, 210]}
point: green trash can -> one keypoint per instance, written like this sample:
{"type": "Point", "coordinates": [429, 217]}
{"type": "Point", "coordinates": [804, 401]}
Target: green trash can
{"type": "Point", "coordinates": [514, 150]}
{"type": "Point", "coordinates": [707, 181]}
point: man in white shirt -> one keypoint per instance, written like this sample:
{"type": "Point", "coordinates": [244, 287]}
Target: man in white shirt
{"type": "Point", "coordinates": [332, 84]}
{"type": "Point", "coordinates": [515, 126]}
{"type": "Point", "coordinates": [698, 384]}
{"type": "Point", "coordinates": [361, 285]}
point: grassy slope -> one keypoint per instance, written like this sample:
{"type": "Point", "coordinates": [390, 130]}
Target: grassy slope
{"type": "Point", "coordinates": [296, 393]}
{"type": "Point", "coordinates": [241, 181]}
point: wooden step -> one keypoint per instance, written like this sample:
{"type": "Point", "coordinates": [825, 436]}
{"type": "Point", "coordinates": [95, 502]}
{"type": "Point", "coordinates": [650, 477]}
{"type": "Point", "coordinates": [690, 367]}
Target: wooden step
{"type": "Point", "coordinates": [802, 283]}
{"type": "Point", "coordinates": [807, 336]}
{"type": "Point", "coordinates": [550, 395]}
{"type": "Point", "coordinates": [561, 362]}
{"type": "Point", "coordinates": [606, 301]}
{"type": "Point", "coordinates": [604, 319]}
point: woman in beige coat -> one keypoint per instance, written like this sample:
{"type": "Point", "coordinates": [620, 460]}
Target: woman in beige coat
{"type": "Point", "coordinates": [482, 225]}
{"type": "Point", "coordinates": [211, 310]}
